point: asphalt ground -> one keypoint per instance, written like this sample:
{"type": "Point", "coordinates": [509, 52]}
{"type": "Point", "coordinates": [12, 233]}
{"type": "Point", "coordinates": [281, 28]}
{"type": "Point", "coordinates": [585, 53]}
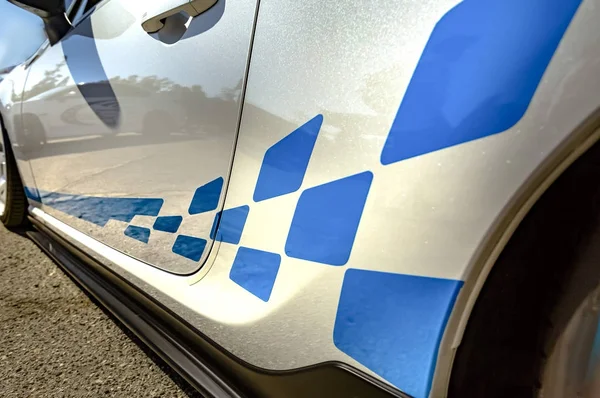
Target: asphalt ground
{"type": "Point", "coordinates": [55, 341]}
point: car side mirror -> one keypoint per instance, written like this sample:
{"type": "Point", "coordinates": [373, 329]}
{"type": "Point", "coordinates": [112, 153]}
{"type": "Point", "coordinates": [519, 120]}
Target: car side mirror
{"type": "Point", "coordinates": [52, 12]}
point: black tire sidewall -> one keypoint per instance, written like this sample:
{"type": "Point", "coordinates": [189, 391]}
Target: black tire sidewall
{"type": "Point", "coordinates": [15, 211]}
{"type": "Point", "coordinates": [535, 287]}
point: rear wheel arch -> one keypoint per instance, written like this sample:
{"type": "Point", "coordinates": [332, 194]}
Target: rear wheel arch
{"type": "Point", "coordinates": [502, 233]}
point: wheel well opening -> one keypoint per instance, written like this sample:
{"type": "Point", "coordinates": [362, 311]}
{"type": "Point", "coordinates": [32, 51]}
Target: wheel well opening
{"type": "Point", "coordinates": [513, 320]}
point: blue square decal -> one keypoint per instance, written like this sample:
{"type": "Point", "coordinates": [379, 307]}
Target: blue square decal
{"type": "Point", "coordinates": [326, 220]}
{"type": "Point", "coordinates": [138, 233]}
{"type": "Point", "coordinates": [255, 271]}
{"type": "Point", "coordinates": [393, 324]}
{"type": "Point", "coordinates": [189, 247]}
{"type": "Point", "coordinates": [228, 225]}
{"type": "Point", "coordinates": [285, 163]}
{"type": "Point", "coordinates": [167, 223]}
{"type": "Point", "coordinates": [206, 198]}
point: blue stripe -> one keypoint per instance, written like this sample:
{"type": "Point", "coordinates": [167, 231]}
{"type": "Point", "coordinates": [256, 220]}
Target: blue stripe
{"type": "Point", "coordinates": [32, 193]}
{"type": "Point", "coordinates": [99, 210]}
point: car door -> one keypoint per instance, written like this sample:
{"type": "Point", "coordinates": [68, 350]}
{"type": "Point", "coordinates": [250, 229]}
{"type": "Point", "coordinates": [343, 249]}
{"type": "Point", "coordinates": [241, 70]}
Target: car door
{"type": "Point", "coordinates": [132, 133]}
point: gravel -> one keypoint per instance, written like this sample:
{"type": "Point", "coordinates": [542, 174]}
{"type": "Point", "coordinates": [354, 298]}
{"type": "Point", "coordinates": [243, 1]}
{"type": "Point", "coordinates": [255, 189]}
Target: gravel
{"type": "Point", "coordinates": [56, 342]}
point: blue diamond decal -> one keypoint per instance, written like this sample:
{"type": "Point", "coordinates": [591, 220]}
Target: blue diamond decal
{"type": "Point", "coordinates": [477, 74]}
{"type": "Point", "coordinates": [255, 271]}
{"type": "Point", "coordinates": [189, 247]}
{"type": "Point", "coordinates": [285, 163]}
{"type": "Point", "coordinates": [167, 223]}
{"type": "Point", "coordinates": [206, 198]}
{"type": "Point", "coordinates": [229, 225]}
{"type": "Point", "coordinates": [138, 233]}
{"type": "Point", "coordinates": [326, 220]}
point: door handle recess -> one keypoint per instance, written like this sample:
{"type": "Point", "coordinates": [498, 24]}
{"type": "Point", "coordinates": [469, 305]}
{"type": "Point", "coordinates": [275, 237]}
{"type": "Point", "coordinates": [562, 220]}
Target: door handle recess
{"type": "Point", "coordinates": [153, 20]}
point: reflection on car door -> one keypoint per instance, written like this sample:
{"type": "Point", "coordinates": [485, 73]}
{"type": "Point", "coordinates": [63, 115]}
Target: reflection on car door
{"type": "Point", "coordinates": [133, 133]}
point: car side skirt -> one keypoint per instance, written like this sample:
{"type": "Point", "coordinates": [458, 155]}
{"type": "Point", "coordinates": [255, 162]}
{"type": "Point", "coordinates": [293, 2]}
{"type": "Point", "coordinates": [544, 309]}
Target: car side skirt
{"type": "Point", "coordinates": [208, 368]}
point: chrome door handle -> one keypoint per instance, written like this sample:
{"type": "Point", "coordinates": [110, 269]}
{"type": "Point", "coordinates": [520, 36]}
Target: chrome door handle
{"type": "Point", "coordinates": [152, 20]}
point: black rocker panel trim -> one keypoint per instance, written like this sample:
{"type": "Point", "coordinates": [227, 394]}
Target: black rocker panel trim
{"type": "Point", "coordinates": [206, 366]}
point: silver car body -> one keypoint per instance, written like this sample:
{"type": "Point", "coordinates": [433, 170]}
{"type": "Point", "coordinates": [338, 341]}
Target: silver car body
{"type": "Point", "coordinates": [341, 179]}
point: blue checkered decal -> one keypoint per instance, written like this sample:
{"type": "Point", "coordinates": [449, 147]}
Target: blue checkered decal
{"type": "Point", "coordinates": [476, 77]}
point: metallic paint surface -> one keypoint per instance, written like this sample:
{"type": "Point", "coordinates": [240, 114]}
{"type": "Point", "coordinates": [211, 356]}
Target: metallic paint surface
{"type": "Point", "coordinates": [11, 92]}
{"type": "Point", "coordinates": [160, 126]}
{"type": "Point", "coordinates": [426, 216]}
{"type": "Point", "coordinates": [435, 209]}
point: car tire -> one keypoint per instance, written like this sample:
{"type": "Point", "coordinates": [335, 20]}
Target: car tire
{"type": "Point", "coordinates": [14, 212]}
{"type": "Point", "coordinates": [545, 276]}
